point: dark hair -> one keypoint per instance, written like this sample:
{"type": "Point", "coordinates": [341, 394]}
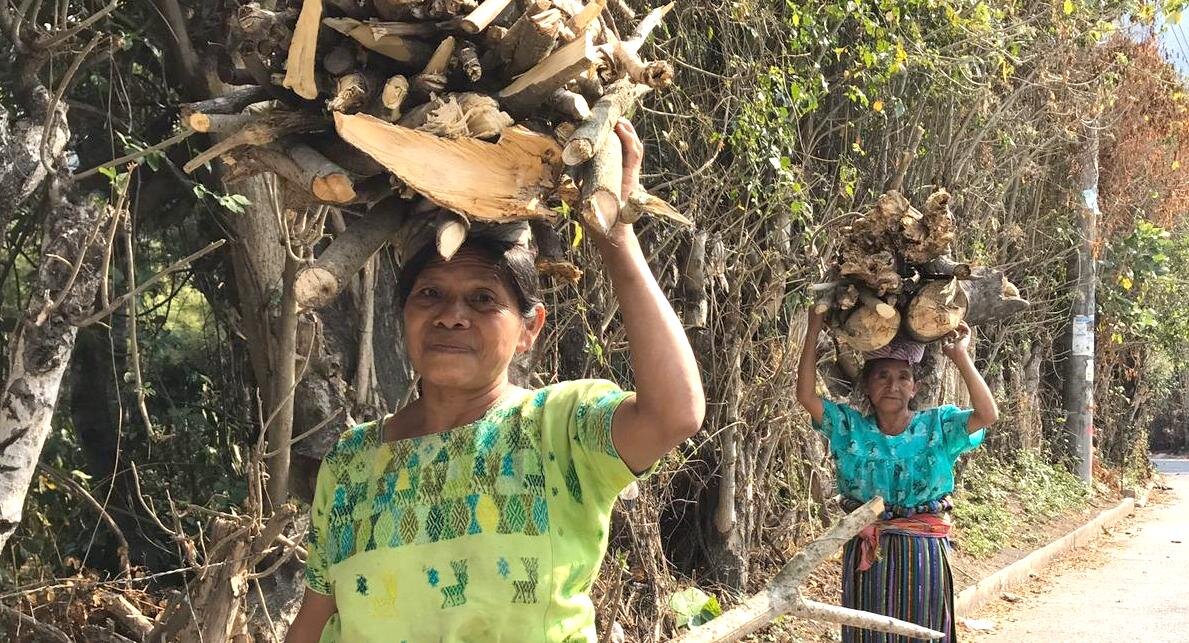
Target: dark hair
{"type": "Point", "coordinates": [515, 261]}
{"type": "Point", "coordinates": [869, 368]}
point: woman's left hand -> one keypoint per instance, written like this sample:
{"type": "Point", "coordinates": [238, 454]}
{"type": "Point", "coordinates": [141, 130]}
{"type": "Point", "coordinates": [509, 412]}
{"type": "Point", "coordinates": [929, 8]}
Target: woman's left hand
{"type": "Point", "coordinates": [633, 158]}
{"type": "Point", "coordinates": [957, 343]}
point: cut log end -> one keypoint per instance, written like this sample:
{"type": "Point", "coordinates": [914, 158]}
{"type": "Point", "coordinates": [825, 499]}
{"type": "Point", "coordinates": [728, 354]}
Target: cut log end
{"type": "Point", "coordinates": [315, 287]}
{"type": "Point", "coordinates": [450, 234]}
{"type": "Point", "coordinates": [601, 211]}
{"type": "Point", "coordinates": [334, 188]}
{"type": "Point", "coordinates": [577, 152]}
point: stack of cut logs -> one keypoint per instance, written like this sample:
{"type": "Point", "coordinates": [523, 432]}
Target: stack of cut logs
{"type": "Point", "coordinates": [893, 273]}
{"type": "Point", "coordinates": [433, 116]}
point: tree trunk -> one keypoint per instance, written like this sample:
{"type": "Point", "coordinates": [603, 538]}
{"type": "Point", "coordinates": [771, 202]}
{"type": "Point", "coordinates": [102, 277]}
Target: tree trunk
{"type": "Point", "coordinates": [43, 343]}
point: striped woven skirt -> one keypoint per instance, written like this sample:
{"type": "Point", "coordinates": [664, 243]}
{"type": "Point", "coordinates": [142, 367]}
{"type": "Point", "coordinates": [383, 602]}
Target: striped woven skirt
{"type": "Point", "coordinates": [910, 581]}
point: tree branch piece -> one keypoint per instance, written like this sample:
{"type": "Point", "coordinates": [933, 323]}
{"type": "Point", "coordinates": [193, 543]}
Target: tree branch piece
{"type": "Point", "coordinates": [320, 282]}
{"type": "Point", "coordinates": [299, 70]}
{"type": "Point", "coordinates": [592, 134]}
{"type": "Point", "coordinates": [483, 15]}
{"type": "Point", "coordinates": [530, 90]}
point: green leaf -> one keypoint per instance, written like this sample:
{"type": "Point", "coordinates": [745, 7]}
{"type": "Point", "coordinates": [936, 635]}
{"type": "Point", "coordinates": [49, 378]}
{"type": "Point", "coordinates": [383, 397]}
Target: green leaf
{"type": "Point", "coordinates": [1069, 7]}
{"type": "Point", "coordinates": [694, 607]}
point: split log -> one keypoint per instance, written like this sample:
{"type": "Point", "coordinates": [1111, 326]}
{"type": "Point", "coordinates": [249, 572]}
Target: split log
{"type": "Point", "coordinates": [232, 102]}
{"type": "Point", "coordinates": [264, 129]}
{"type": "Point", "coordinates": [601, 186]}
{"type": "Point", "coordinates": [320, 282]}
{"type": "Point", "coordinates": [592, 134]}
{"type": "Point", "coordinates": [503, 181]}
{"type": "Point", "coordinates": [381, 38]}
{"type": "Point", "coordinates": [393, 96]}
{"type": "Point", "coordinates": [299, 69]}
{"type": "Point", "coordinates": [936, 310]}
{"type": "Point", "coordinates": [460, 115]}
{"type": "Point", "coordinates": [450, 232]}
{"type": "Point", "coordinates": [992, 296]}
{"type": "Point", "coordinates": [783, 596]}
{"type": "Point", "coordinates": [876, 269]}
{"type": "Point", "coordinates": [432, 79]}
{"type": "Point", "coordinates": [938, 226]}
{"type": "Point", "coordinates": [483, 15]}
{"type": "Point", "coordinates": [536, 41]}
{"type": "Point", "coordinates": [867, 330]}
{"type": "Point", "coordinates": [528, 92]}
{"type": "Point", "coordinates": [587, 16]}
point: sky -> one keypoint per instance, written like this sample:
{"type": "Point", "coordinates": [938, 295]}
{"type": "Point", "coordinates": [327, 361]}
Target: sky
{"type": "Point", "coordinates": [1176, 43]}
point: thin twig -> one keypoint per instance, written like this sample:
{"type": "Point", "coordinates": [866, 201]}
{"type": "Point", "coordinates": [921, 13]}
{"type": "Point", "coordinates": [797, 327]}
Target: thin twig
{"type": "Point", "coordinates": [115, 528]}
{"type": "Point", "coordinates": [54, 40]}
{"type": "Point", "coordinates": [174, 267]}
{"type": "Point", "coordinates": [172, 140]}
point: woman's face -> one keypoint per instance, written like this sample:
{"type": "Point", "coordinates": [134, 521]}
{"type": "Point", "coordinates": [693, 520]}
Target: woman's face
{"type": "Point", "coordinates": [463, 325]}
{"type": "Point", "coordinates": [890, 386]}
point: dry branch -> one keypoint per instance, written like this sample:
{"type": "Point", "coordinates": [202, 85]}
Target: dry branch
{"type": "Point", "coordinates": [260, 131]}
{"type": "Point", "coordinates": [483, 15]}
{"type": "Point", "coordinates": [532, 89]}
{"type": "Point", "coordinates": [783, 595]}
{"type": "Point", "coordinates": [592, 134]}
{"type": "Point", "coordinates": [125, 612]}
{"type": "Point", "coordinates": [382, 40]}
{"type": "Point", "coordinates": [503, 181]}
{"type": "Point", "coordinates": [299, 74]}
{"type": "Point", "coordinates": [320, 282]}
{"type": "Point", "coordinates": [601, 186]}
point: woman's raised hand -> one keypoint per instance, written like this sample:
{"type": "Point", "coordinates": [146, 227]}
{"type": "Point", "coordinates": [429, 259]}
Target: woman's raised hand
{"type": "Point", "coordinates": [633, 157]}
{"type": "Point", "coordinates": [957, 343]}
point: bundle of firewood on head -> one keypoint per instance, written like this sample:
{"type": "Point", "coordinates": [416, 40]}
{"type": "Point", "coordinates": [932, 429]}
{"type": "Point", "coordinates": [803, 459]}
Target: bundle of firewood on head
{"type": "Point", "coordinates": [437, 113]}
{"type": "Point", "coordinates": [893, 275]}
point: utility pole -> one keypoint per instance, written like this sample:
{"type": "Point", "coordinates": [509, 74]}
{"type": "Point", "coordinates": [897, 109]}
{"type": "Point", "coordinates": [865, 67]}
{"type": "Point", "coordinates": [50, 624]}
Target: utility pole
{"type": "Point", "coordinates": [1078, 397]}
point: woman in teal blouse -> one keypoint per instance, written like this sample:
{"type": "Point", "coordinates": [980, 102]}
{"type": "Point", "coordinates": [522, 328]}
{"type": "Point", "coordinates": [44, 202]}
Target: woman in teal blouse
{"type": "Point", "coordinates": [900, 568]}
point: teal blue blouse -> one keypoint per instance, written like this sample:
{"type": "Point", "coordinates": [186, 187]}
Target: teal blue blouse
{"type": "Point", "coordinates": [908, 469]}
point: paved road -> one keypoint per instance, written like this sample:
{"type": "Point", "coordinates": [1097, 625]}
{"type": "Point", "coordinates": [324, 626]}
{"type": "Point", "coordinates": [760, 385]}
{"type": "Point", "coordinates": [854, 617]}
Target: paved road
{"type": "Point", "coordinates": [1134, 588]}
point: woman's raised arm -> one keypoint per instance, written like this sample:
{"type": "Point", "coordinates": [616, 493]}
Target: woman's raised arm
{"type": "Point", "coordinates": [669, 404]}
{"type": "Point", "coordinates": [986, 412]}
{"type": "Point", "coordinates": [807, 369]}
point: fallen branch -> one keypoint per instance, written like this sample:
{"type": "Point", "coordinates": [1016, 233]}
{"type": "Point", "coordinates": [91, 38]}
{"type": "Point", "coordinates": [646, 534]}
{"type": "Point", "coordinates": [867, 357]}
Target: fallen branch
{"type": "Point", "coordinates": [783, 595]}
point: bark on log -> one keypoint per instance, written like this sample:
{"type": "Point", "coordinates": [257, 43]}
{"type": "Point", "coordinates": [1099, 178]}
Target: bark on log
{"type": "Point", "coordinates": [264, 129]}
{"type": "Point", "coordinates": [299, 70]}
{"type": "Point", "coordinates": [380, 38]}
{"type": "Point", "coordinates": [503, 181]}
{"type": "Point", "coordinates": [467, 61]}
{"type": "Point", "coordinates": [233, 102]}
{"type": "Point", "coordinates": [395, 9]}
{"type": "Point", "coordinates": [536, 41]}
{"type": "Point", "coordinates": [483, 15]}
{"type": "Point", "coordinates": [346, 156]}
{"type": "Point", "coordinates": [992, 297]}
{"type": "Point", "coordinates": [218, 123]}
{"type": "Point", "coordinates": [532, 89]}
{"type": "Point", "coordinates": [601, 185]}
{"type": "Point", "coordinates": [319, 283]}
{"type": "Point", "coordinates": [341, 60]}
{"type": "Point", "coordinates": [936, 310]}
{"type": "Point", "coordinates": [551, 254]}
{"type": "Point", "coordinates": [327, 182]}
{"type": "Point", "coordinates": [593, 133]}
{"type": "Point", "coordinates": [783, 596]}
